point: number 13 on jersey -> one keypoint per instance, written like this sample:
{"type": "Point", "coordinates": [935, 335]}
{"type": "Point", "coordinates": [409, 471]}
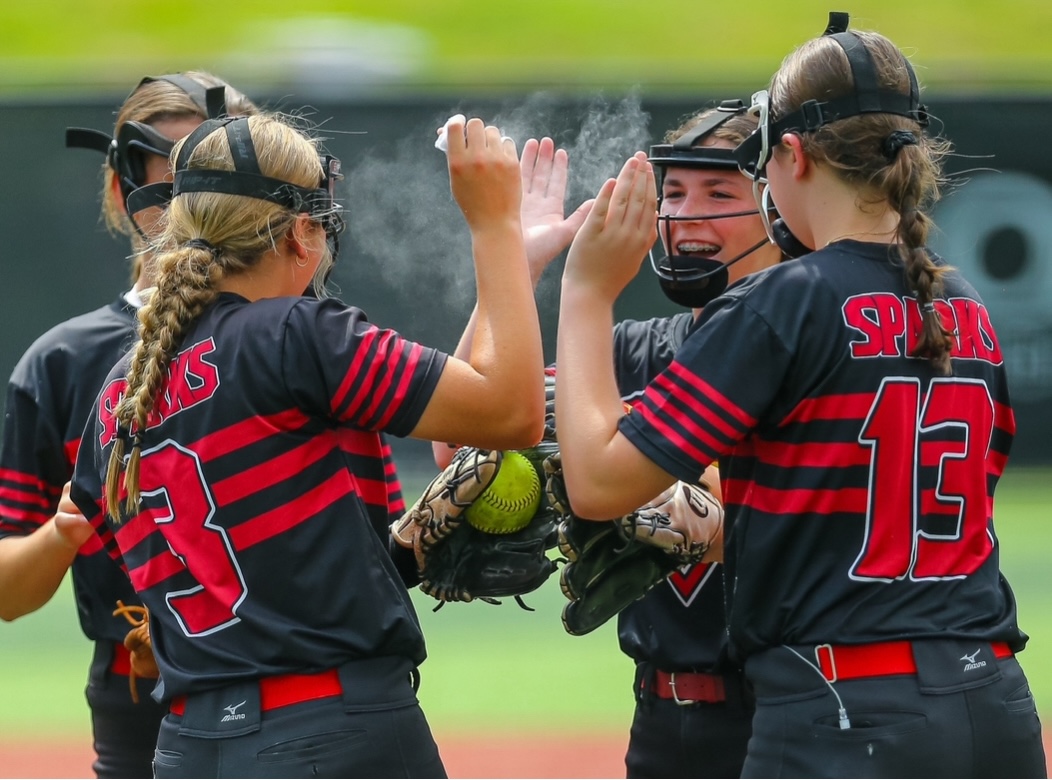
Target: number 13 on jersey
{"type": "Point", "coordinates": [939, 471]}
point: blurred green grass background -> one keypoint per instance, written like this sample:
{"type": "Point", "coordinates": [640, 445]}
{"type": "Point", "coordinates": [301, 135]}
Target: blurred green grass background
{"type": "Point", "coordinates": [500, 669]}
{"type": "Point", "coordinates": [341, 46]}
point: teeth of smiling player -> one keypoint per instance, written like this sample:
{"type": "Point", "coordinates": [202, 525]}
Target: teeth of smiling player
{"type": "Point", "coordinates": [688, 247]}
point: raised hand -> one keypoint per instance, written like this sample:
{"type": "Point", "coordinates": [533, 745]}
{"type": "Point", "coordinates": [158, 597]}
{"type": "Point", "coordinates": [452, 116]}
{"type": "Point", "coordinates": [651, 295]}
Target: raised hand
{"type": "Point", "coordinates": [618, 231]}
{"type": "Point", "coordinates": [483, 172]}
{"type": "Point", "coordinates": [546, 230]}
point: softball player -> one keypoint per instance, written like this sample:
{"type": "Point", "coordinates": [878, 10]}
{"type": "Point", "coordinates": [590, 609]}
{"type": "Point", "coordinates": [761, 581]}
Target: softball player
{"type": "Point", "coordinates": [713, 236]}
{"type": "Point", "coordinates": [693, 711]}
{"type": "Point", "coordinates": [856, 399]}
{"type": "Point", "coordinates": [234, 458]}
{"type": "Point", "coordinates": [51, 393]}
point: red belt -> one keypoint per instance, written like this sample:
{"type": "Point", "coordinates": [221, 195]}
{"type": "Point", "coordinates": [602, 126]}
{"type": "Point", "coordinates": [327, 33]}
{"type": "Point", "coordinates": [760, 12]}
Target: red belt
{"type": "Point", "coordinates": [121, 663]}
{"type": "Point", "coordinates": [688, 687]}
{"type": "Point", "coordinates": [849, 662]}
{"type": "Point", "coordinates": [285, 689]}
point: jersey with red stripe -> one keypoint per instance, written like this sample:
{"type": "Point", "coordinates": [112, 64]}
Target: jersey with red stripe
{"type": "Point", "coordinates": [259, 544]}
{"type": "Point", "coordinates": [679, 625]}
{"type": "Point", "coordinates": [858, 482]}
{"type": "Point", "coordinates": [50, 394]}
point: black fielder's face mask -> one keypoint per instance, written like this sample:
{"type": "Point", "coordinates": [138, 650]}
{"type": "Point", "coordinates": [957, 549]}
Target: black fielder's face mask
{"type": "Point", "coordinates": [754, 153]}
{"type": "Point", "coordinates": [133, 143]}
{"type": "Point", "coordinates": [127, 152]}
{"type": "Point", "coordinates": [690, 280]}
{"type": "Point", "coordinates": [693, 280]}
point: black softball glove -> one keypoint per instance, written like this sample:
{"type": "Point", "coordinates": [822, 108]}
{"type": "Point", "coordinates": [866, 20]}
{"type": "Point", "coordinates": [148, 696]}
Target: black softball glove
{"type": "Point", "coordinates": [458, 562]}
{"type": "Point", "coordinates": [613, 563]}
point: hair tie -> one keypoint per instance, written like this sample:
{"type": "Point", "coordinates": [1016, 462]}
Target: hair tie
{"type": "Point", "coordinates": [896, 140]}
{"type": "Point", "coordinates": [928, 308]}
{"type": "Point", "coordinates": [125, 433]}
{"type": "Point", "coordinates": [201, 243]}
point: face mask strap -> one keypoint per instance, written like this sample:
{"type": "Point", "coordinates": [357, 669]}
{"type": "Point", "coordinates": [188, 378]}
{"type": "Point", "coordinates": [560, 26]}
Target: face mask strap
{"type": "Point", "coordinates": [685, 152]}
{"type": "Point", "coordinates": [866, 97]}
{"type": "Point", "coordinates": [247, 179]}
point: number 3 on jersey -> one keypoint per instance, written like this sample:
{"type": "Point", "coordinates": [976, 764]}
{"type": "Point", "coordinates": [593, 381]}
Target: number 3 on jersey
{"type": "Point", "coordinates": [937, 467]}
{"type": "Point", "coordinates": [183, 513]}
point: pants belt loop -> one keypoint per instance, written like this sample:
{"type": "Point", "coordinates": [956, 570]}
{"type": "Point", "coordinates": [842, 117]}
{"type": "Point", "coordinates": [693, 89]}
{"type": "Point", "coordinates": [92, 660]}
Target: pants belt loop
{"type": "Point", "coordinates": [826, 661]}
{"type": "Point", "coordinates": [645, 680]}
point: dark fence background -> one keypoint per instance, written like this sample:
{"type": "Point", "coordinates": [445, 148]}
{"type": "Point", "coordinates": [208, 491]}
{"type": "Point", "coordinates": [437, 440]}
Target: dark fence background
{"type": "Point", "coordinates": [406, 257]}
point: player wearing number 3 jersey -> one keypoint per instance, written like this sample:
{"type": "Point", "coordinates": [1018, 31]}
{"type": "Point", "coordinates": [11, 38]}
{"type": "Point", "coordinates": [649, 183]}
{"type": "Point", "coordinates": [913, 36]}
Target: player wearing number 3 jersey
{"type": "Point", "coordinates": [235, 466]}
{"type": "Point", "coordinates": [857, 402]}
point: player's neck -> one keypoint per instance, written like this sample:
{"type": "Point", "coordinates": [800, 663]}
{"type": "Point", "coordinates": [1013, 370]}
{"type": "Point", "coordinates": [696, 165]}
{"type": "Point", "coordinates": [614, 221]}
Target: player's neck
{"type": "Point", "coordinates": [269, 277]}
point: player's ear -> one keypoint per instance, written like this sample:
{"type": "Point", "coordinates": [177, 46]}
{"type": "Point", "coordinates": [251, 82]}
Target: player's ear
{"type": "Point", "coordinates": [118, 196]}
{"type": "Point", "coordinates": [800, 161]}
{"type": "Point", "coordinates": [300, 235]}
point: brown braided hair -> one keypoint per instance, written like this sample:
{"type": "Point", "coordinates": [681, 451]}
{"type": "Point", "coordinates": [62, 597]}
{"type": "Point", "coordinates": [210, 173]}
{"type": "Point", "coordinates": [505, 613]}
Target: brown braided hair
{"type": "Point", "coordinates": [157, 101]}
{"type": "Point", "coordinates": [208, 236]}
{"type": "Point", "coordinates": [886, 156]}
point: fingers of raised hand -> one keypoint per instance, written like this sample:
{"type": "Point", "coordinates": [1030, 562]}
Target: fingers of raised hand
{"type": "Point", "coordinates": [644, 199]}
{"type": "Point", "coordinates": [539, 165]}
{"type": "Point", "coordinates": [601, 206]}
{"type": "Point", "coordinates": [528, 163]}
{"type": "Point", "coordinates": [472, 137]}
{"type": "Point", "coordinates": [559, 172]}
{"type": "Point", "coordinates": [634, 190]}
{"type": "Point", "coordinates": [451, 134]}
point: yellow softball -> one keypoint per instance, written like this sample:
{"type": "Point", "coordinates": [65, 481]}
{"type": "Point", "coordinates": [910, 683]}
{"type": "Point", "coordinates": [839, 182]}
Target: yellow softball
{"type": "Point", "coordinates": [511, 500]}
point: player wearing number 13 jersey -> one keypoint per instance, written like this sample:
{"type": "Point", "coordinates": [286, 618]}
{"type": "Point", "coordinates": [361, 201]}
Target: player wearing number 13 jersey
{"type": "Point", "coordinates": [815, 456]}
{"type": "Point", "coordinates": [857, 401]}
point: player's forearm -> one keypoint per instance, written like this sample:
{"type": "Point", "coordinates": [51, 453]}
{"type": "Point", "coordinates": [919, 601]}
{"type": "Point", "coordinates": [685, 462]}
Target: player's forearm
{"type": "Point", "coordinates": [505, 347]}
{"type": "Point", "coordinates": [443, 451]}
{"type": "Point", "coordinates": [587, 399]}
{"type": "Point", "coordinates": [605, 476]}
{"type": "Point", "coordinates": [31, 570]}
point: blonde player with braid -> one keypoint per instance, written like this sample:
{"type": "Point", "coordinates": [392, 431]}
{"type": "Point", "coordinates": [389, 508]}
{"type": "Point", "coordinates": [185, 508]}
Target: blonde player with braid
{"type": "Point", "coordinates": [234, 461]}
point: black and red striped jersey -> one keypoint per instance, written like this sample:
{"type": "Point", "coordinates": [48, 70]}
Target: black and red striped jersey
{"type": "Point", "coordinates": [50, 395]}
{"type": "Point", "coordinates": [858, 482]}
{"type": "Point", "coordinates": [260, 542]}
{"type": "Point", "coordinates": [679, 625]}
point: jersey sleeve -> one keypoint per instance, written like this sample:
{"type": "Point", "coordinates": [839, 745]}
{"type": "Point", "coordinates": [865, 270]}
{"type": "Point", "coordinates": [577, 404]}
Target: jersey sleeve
{"type": "Point", "coordinates": [630, 350]}
{"type": "Point", "coordinates": [87, 489]}
{"type": "Point", "coordinates": [729, 369]}
{"type": "Point", "coordinates": [33, 466]}
{"type": "Point", "coordinates": [368, 377]}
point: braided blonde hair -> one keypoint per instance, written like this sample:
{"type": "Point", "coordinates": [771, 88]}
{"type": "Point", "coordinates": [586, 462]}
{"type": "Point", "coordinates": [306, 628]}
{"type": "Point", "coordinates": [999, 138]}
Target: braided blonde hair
{"type": "Point", "coordinates": [905, 176]}
{"type": "Point", "coordinates": [207, 237]}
